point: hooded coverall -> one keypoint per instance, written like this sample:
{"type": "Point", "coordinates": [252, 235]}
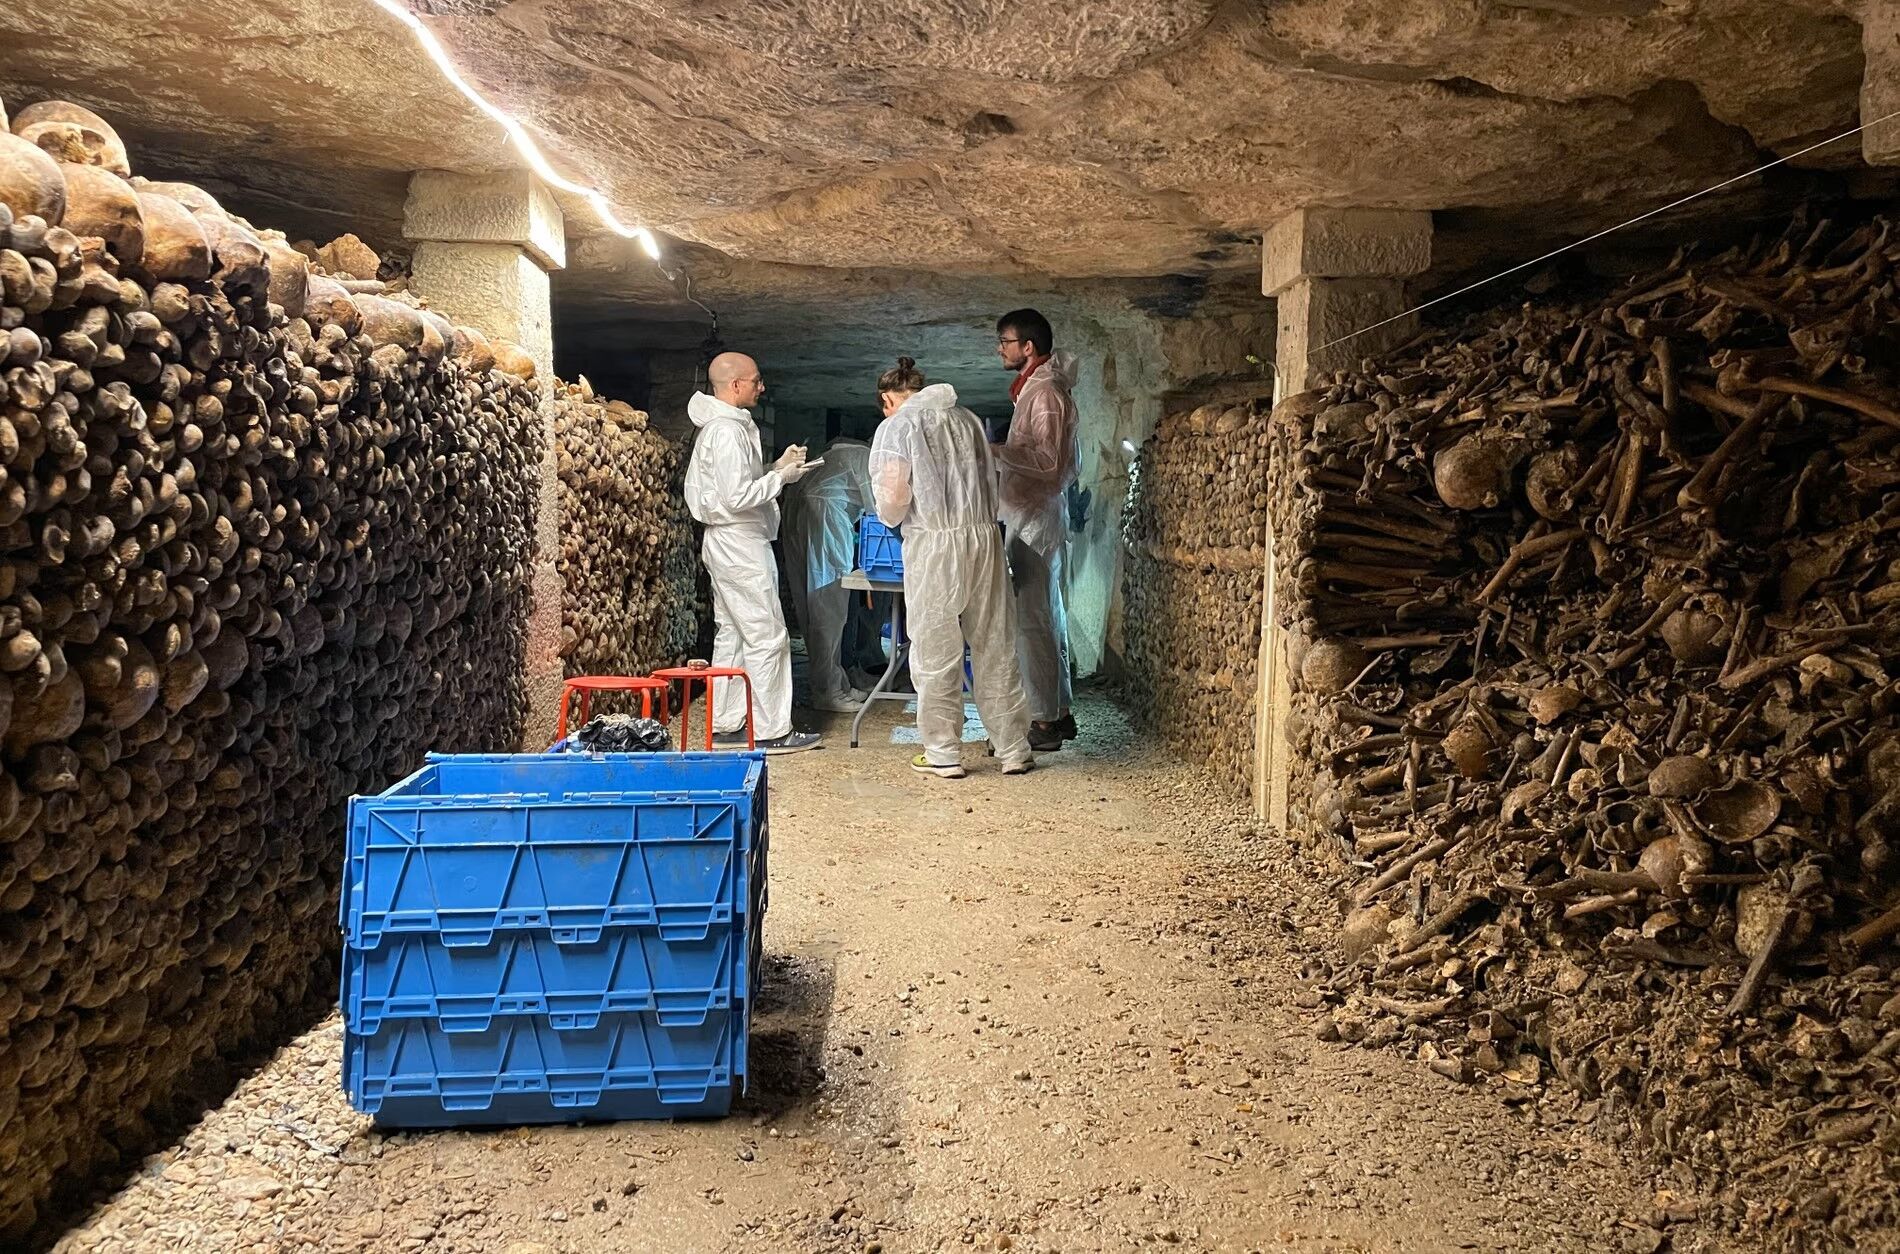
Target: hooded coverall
{"type": "Point", "coordinates": [932, 473]}
{"type": "Point", "coordinates": [730, 492]}
{"type": "Point", "coordinates": [1038, 462]}
{"type": "Point", "coordinates": [821, 531]}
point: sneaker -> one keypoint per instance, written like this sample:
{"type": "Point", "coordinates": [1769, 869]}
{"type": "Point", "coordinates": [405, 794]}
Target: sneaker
{"type": "Point", "coordinates": [791, 742]}
{"type": "Point", "coordinates": [1044, 738]}
{"type": "Point", "coordinates": [846, 704]}
{"type": "Point", "coordinates": [923, 766]}
{"type": "Point", "coordinates": [1021, 767]}
{"type": "Point", "coordinates": [729, 740]}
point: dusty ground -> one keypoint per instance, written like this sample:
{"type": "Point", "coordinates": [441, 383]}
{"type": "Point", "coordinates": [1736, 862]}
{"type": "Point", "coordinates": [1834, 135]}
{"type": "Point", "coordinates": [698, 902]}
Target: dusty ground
{"type": "Point", "coordinates": [1052, 1013]}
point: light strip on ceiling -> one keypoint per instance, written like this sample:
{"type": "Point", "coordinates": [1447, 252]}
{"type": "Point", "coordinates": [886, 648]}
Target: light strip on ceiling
{"type": "Point", "coordinates": [516, 131]}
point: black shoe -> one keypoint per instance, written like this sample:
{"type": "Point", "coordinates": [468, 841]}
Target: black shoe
{"type": "Point", "coordinates": [791, 742]}
{"type": "Point", "coordinates": [1044, 738]}
{"type": "Point", "coordinates": [1065, 727]}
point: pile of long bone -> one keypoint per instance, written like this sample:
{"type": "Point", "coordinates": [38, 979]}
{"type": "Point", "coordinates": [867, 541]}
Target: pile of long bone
{"type": "Point", "coordinates": [263, 539]}
{"type": "Point", "coordinates": [1594, 634]}
{"type": "Point", "coordinates": [1193, 543]}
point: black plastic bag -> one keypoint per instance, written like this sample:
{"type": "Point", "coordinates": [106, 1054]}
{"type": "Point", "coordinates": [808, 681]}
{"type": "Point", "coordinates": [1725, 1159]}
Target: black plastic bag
{"type": "Point", "coordinates": [622, 733]}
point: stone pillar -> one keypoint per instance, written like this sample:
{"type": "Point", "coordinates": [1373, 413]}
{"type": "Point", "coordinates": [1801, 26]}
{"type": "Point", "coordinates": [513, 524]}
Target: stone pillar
{"type": "Point", "coordinates": [1332, 272]}
{"type": "Point", "coordinates": [485, 246]}
{"type": "Point", "coordinates": [1880, 82]}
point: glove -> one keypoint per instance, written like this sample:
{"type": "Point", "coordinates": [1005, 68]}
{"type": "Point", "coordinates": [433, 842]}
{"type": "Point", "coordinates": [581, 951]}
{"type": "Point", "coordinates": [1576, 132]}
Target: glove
{"type": "Point", "coordinates": [793, 456]}
{"type": "Point", "coordinates": [792, 474]}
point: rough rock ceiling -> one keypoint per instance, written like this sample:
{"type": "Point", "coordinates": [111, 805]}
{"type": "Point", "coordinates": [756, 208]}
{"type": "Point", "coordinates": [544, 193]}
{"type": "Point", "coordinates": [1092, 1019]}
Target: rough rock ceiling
{"type": "Point", "coordinates": [819, 156]}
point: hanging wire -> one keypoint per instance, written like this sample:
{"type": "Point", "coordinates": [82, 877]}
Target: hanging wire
{"type": "Point", "coordinates": [1609, 230]}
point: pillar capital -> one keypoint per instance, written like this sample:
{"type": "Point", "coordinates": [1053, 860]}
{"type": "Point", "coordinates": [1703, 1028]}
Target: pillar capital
{"type": "Point", "coordinates": [513, 207]}
{"type": "Point", "coordinates": [1880, 83]}
{"type": "Point", "coordinates": [1345, 244]}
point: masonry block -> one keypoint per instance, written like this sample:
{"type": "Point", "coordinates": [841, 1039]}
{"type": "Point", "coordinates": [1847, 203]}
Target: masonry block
{"type": "Point", "coordinates": [509, 208]}
{"type": "Point", "coordinates": [1345, 244]}
{"type": "Point", "coordinates": [1880, 82]}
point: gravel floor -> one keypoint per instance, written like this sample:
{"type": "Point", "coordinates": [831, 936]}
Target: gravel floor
{"type": "Point", "coordinates": [1060, 1012]}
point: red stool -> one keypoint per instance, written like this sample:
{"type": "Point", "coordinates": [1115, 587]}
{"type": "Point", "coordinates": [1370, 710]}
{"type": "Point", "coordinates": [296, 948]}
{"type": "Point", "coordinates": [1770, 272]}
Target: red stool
{"type": "Point", "coordinates": [587, 685]}
{"type": "Point", "coordinates": [687, 675]}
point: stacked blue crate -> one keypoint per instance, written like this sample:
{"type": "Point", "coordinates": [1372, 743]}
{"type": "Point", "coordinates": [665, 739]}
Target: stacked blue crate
{"type": "Point", "coordinates": [553, 937]}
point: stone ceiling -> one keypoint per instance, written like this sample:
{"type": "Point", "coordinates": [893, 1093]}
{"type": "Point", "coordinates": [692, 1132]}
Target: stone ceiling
{"type": "Point", "coordinates": [908, 166]}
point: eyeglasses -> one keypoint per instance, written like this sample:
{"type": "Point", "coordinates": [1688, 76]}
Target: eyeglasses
{"type": "Point", "coordinates": [1000, 341]}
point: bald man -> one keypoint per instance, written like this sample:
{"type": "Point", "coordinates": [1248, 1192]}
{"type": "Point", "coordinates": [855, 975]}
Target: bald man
{"type": "Point", "coordinates": [732, 493]}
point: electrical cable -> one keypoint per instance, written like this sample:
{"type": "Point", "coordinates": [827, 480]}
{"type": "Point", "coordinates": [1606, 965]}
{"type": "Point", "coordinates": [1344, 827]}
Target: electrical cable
{"type": "Point", "coordinates": [1641, 217]}
{"type": "Point", "coordinates": [516, 131]}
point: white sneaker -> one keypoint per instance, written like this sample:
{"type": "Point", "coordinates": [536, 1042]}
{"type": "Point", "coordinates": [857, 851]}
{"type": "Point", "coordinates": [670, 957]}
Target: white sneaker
{"type": "Point", "coordinates": [847, 704]}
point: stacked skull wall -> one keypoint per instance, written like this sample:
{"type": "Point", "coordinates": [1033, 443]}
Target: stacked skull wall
{"type": "Point", "coordinates": [627, 567]}
{"type": "Point", "coordinates": [1193, 535]}
{"type": "Point", "coordinates": [265, 538]}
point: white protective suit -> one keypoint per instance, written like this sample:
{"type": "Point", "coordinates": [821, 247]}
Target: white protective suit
{"type": "Point", "coordinates": [1038, 461]}
{"type": "Point", "coordinates": [821, 535]}
{"type": "Point", "coordinates": [931, 472]}
{"type": "Point", "coordinates": [730, 491]}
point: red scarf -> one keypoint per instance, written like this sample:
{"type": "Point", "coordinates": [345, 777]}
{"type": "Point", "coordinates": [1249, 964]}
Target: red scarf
{"type": "Point", "coordinates": [1030, 367]}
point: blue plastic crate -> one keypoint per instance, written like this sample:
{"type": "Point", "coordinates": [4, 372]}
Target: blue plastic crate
{"type": "Point", "coordinates": [465, 988]}
{"type": "Point", "coordinates": [553, 937]}
{"type": "Point", "coordinates": [880, 549]}
{"type": "Point", "coordinates": [521, 1069]}
{"type": "Point", "coordinates": [576, 843]}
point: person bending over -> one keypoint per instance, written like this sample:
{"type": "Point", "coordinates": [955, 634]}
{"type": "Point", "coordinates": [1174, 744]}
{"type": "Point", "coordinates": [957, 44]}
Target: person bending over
{"type": "Point", "coordinates": [931, 473]}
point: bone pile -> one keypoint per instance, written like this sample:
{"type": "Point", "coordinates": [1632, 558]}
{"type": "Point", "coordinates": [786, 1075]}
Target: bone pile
{"type": "Point", "coordinates": [1193, 544]}
{"type": "Point", "coordinates": [627, 558]}
{"type": "Point", "coordinates": [263, 540]}
{"type": "Point", "coordinates": [1594, 641]}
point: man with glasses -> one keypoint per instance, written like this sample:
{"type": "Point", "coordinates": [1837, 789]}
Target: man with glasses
{"type": "Point", "coordinates": [1037, 463]}
{"type": "Point", "coordinates": [734, 495]}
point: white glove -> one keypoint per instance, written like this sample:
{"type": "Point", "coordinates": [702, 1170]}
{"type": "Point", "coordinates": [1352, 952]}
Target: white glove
{"type": "Point", "coordinates": [791, 474]}
{"type": "Point", "coordinates": [793, 456]}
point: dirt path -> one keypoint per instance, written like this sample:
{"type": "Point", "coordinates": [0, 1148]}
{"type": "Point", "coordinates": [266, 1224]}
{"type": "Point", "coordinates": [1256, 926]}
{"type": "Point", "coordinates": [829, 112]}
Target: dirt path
{"type": "Point", "coordinates": [1051, 1013]}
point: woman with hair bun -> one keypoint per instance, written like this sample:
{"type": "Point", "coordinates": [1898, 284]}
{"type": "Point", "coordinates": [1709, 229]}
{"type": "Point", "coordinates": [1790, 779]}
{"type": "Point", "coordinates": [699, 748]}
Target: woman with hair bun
{"type": "Point", "coordinates": [931, 472]}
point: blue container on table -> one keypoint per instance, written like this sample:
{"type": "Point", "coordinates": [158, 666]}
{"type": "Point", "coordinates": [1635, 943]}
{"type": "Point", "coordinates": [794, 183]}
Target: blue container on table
{"type": "Point", "coordinates": [880, 549]}
{"type": "Point", "coordinates": [534, 938]}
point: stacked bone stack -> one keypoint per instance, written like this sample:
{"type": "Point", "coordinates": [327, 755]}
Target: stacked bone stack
{"type": "Point", "coordinates": [1595, 637]}
{"type": "Point", "coordinates": [263, 540]}
{"type": "Point", "coordinates": [1193, 532]}
{"type": "Point", "coordinates": [626, 559]}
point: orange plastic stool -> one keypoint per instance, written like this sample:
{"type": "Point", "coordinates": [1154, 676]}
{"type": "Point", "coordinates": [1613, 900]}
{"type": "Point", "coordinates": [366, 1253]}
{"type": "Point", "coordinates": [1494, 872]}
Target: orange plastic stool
{"type": "Point", "coordinates": [585, 686]}
{"type": "Point", "coordinates": [687, 675]}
